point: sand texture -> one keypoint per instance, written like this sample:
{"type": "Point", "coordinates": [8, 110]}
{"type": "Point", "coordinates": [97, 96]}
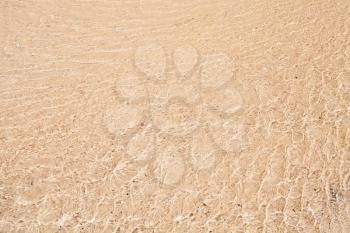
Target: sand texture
{"type": "Point", "coordinates": [175, 116]}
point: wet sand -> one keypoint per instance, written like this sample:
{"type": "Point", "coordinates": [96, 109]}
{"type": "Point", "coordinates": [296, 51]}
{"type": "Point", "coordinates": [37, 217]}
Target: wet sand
{"type": "Point", "coordinates": [175, 116]}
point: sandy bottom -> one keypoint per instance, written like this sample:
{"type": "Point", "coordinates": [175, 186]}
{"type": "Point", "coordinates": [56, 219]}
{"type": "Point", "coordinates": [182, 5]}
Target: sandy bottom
{"type": "Point", "coordinates": [175, 116]}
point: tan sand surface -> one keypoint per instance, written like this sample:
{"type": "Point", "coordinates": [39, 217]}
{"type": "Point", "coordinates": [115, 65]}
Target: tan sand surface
{"type": "Point", "coordinates": [175, 116]}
